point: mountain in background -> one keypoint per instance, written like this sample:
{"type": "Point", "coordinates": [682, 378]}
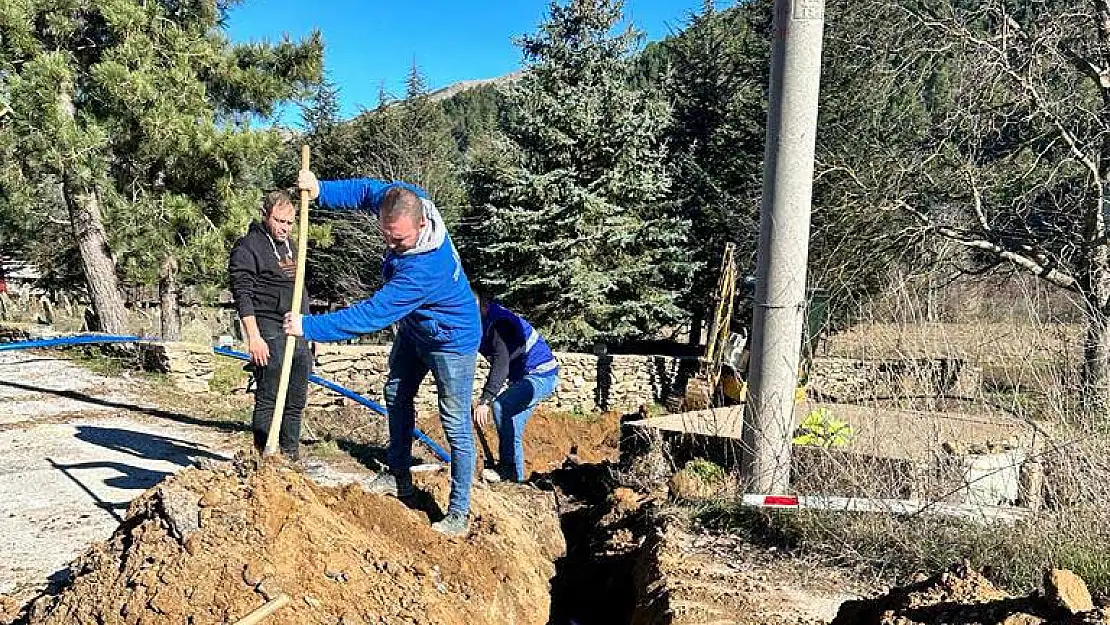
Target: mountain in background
{"type": "Point", "coordinates": [454, 89]}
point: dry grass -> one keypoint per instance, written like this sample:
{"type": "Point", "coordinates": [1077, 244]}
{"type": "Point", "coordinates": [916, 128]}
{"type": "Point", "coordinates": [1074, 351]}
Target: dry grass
{"type": "Point", "coordinates": [1030, 361]}
{"type": "Point", "coordinates": [1070, 530]}
{"type": "Point", "coordinates": [888, 549]}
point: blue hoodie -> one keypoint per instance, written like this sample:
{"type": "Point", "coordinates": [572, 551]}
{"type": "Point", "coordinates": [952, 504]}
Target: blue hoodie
{"type": "Point", "coordinates": [426, 290]}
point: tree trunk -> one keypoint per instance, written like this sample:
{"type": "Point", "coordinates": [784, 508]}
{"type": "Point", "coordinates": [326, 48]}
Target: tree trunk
{"type": "Point", "coordinates": [695, 326]}
{"type": "Point", "coordinates": [1096, 344]}
{"type": "Point", "coordinates": [96, 259]}
{"type": "Point", "coordinates": [1096, 362]}
{"type": "Point", "coordinates": [92, 241]}
{"type": "Point", "coordinates": [169, 295]}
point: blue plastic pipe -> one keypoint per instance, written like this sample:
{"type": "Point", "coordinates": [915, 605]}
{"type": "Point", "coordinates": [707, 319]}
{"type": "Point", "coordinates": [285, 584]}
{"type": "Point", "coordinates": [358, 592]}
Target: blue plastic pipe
{"type": "Point", "coordinates": [86, 339]}
{"type": "Point", "coordinates": [440, 452]}
{"type": "Point", "coordinates": [95, 339]}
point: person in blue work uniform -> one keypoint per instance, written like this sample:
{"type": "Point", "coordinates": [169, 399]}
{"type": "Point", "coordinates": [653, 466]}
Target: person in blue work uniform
{"type": "Point", "coordinates": [438, 328]}
{"type": "Point", "coordinates": [519, 355]}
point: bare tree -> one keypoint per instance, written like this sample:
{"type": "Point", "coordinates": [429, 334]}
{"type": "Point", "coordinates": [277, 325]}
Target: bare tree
{"type": "Point", "coordinates": [986, 124]}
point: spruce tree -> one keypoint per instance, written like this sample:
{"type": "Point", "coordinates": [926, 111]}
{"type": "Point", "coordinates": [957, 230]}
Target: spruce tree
{"type": "Point", "coordinates": [344, 263]}
{"type": "Point", "coordinates": [473, 114]}
{"type": "Point", "coordinates": [408, 140]}
{"type": "Point", "coordinates": [717, 79]}
{"type": "Point", "coordinates": [569, 223]}
{"type": "Point", "coordinates": [411, 140]}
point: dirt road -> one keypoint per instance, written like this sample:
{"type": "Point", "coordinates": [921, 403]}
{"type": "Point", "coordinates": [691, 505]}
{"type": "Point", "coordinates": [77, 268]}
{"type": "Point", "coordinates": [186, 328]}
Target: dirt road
{"type": "Point", "coordinates": [75, 449]}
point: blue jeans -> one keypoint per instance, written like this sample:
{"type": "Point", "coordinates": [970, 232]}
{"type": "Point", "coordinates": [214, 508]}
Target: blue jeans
{"type": "Point", "coordinates": [511, 411]}
{"type": "Point", "coordinates": [454, 377]}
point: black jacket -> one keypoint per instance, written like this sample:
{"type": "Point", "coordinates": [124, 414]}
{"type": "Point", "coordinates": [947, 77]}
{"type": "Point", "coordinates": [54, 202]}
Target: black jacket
{"type": "Point", "coordinates": [260, 284]}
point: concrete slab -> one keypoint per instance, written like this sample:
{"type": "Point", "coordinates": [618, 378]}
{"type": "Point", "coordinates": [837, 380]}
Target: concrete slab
{"type": "Point", "coordinates": [892, 454]}
{"type": "Point", "coordinates": [35, 385]}
{"type": "Point", "coordinates": [877, 431]}
{"type": "Point", "coordinates": [65, 486]}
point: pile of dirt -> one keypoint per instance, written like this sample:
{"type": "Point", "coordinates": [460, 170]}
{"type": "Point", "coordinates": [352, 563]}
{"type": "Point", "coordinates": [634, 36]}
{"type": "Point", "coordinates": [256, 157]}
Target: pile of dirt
{"type": "Point", "coordinates": [690, 574]}
{"type": "Point", "coordinates": [961, 594]}
{"type": "Point", "coordinates": [552, 437]}
{"type": "Point", "coordinates": [9, 608]}
{"type": "Point", "coordinates": [211, 544]}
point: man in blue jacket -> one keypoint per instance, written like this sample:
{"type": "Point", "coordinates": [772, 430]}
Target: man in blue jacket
{"type": "Point", "coordinates": [427, 294]}
{"type": "Point", "coordinates": [518, 354]}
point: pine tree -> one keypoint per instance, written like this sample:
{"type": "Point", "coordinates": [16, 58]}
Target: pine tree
{"type": "Point", "coordinates": [473, 114]}
{"type": "Point", "coordinates": [570, 224]}
{"type": "Point", "coordinates": [431, 148]}
{"type": "Point", "coordinates": [344, 261]}
{"type": "Point", "coordinates": [140, 112]}
{"type": "Point", "coordinates": [411, 140]}
{"type": "Point", "coordinates": [408, 140]}
{"type": "Point", "coordinates": [325, 132]}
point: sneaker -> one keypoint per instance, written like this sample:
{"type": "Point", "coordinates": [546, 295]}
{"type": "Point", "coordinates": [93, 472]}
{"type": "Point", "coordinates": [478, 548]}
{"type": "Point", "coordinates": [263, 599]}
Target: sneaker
{"type": "Point", "coordinates": [388, 484]}
{"type": "Point", "coordinates": [491, 476]}
{"type": "Point", "coordinates": [453, 525]}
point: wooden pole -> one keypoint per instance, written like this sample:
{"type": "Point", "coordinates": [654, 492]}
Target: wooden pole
{"type": "Point", "coordinates": [291, 341]}
{"type": "Point", "coordinates": [266, 609]}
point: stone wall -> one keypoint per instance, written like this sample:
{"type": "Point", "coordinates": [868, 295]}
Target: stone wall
{"type": "Point", "coordinates": [587, 383]}
{"type": "Point", "coordinates": [189, 366]}
{"type": "Point", "coordinates": [850, 379]}
{"type": "Point", "coordinates": [623, 382]}
{"type": "Point", "coordinates": [62, 314]}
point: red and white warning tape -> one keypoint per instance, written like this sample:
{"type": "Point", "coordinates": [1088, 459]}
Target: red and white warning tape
{"type": "Point", "coordinates": [886, 506]}
{"type": "Point", "coordinates": [771, 501]}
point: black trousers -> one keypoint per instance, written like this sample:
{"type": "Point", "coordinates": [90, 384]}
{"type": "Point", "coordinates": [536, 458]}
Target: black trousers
{"type": "Point", "coordinates": [265, 394]}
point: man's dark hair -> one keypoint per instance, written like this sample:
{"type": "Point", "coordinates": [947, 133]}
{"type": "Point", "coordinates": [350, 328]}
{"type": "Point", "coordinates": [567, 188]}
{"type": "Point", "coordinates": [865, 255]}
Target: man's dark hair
{"type": "Point", "coordinates": [274, 198]}
{"type": "Point", "coordinates": [399, 201]}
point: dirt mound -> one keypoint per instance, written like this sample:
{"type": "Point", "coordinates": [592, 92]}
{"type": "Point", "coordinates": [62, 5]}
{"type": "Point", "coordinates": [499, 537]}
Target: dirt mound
{"type": "Point", "coordinates": [963, 595]}
{"type": "Point", "coordinates": [550, 438]}
{"type": "Point", "coordinates": [211, 545]}
{"type": "Point", "coordinates": [9, 608]}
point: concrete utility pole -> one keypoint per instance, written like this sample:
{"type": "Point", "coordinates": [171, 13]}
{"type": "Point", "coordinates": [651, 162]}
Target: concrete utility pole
{"type": "Point", "coordinates": [783, 244]}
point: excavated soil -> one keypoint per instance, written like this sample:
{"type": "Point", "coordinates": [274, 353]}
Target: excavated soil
{"type": "Point", "coordinates": [962, 595]}
{"type": "Point", "coordinates": [550, 437]}
{"type": "Point", "coordinates": [686, 575]}
{"type": "Point", "coordinates": [211, 544]}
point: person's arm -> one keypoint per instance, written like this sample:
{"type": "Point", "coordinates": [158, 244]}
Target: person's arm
{"type": "Point", "coordinates": [400, 296]}
{"type": "Point", "coordinates": [358, 193]}
{"type": "Point", "coordinates": [243, 270]}
{"type": "Point", "coordinates": [498, 366]}
{"type": "Point", "coordinates": [256, 345]}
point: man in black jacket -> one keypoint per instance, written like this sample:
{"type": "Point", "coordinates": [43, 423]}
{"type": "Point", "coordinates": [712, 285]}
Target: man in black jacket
{"type": "Point", "coordinates": [262, 266]}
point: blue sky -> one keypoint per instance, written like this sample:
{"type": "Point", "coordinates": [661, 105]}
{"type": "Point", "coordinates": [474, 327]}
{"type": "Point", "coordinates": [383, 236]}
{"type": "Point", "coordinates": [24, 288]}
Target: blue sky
{"type": "Point", "coordinates": [371, 43]}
